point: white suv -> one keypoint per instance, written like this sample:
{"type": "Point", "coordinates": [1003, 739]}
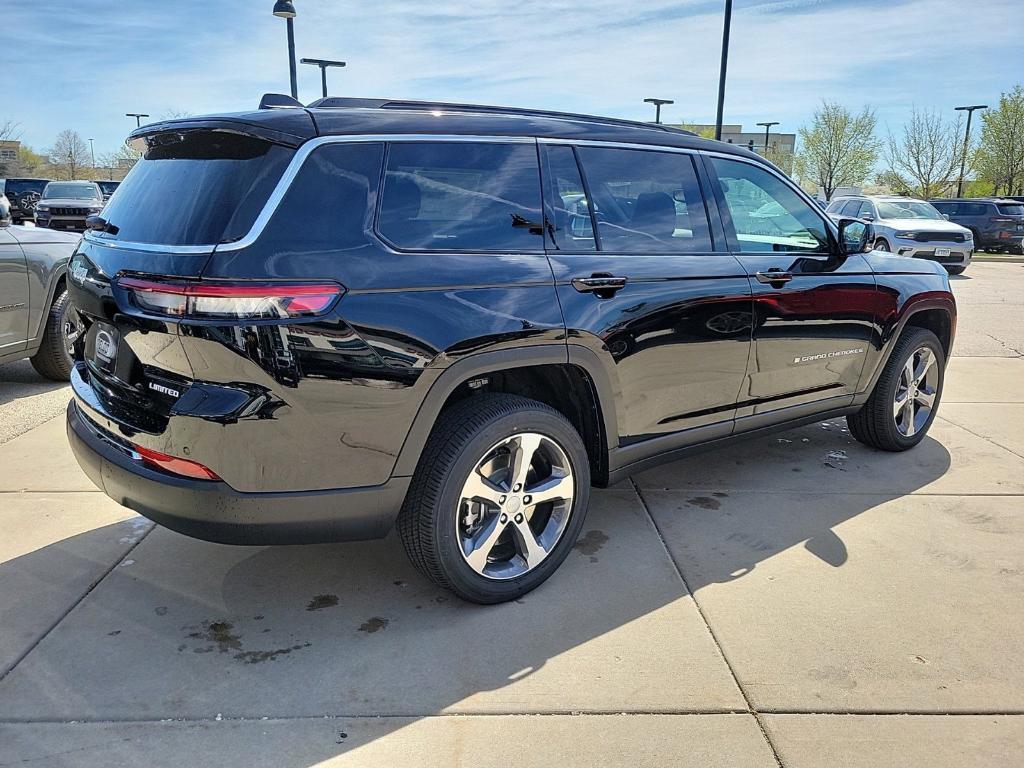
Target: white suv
{"type": "Point", "coordinates": [909, 227]}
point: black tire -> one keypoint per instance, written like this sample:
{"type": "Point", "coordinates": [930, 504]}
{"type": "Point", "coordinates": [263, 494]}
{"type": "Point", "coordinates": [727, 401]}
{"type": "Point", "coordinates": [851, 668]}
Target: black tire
{"type": "Point", "coordinates": [53, 359]}
{"type": "Point", "coordinates": [955, 270]}
{"type": "Point", "coordinates": [874, 424]}
{"type": "Point", "coordinates": [881, 244]}
{"type": "Point", "coordinates": [461, 437]}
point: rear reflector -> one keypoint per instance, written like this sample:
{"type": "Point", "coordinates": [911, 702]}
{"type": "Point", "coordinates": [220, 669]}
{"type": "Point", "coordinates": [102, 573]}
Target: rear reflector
{"type": "Point", "coordinates": [173, 464]}
{"type": "Point", "coordinates": [259, 301]}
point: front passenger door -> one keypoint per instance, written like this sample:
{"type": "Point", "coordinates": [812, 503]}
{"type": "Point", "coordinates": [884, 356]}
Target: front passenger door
{"type": "Point", "coordinates": [814, 309]}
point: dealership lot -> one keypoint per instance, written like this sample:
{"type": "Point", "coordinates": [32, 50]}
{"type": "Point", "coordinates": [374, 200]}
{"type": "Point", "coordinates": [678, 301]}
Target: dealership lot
{"type": "Point", "coordinates": [798, 599]}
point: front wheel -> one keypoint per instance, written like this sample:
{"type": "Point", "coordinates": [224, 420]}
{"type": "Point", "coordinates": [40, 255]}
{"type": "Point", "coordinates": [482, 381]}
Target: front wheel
{"type": "Point", "coordinates": [881, 244]}
{"type": "Point", "coordinates": [498, 499]}
{"type": "Point", "coordinates": [903, 404]}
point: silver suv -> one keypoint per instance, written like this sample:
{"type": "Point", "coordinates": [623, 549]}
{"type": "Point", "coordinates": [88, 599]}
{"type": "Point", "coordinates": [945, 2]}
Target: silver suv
{"type": "Point", "coordinates": [910, 227]}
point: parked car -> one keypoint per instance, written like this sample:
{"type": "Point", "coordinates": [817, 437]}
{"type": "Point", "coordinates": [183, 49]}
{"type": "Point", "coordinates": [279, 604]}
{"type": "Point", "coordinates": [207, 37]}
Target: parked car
{"type": "Point", "coordinates": [910, 227]}
{"type": "Point", "coordinates": [67, 204]}
{"type": "Point", "coordinates": [5, 210]}
{"type": "Point", "coordinates": [107, 188]}
{"type": "Point", "coordinates": [23, 194]}
{"type": "Point", "coordinates": [457, 319]}
{"type": "Point", "coordinates": [35, 319]}
{"type": "Point", "coordinates": [996, 223]}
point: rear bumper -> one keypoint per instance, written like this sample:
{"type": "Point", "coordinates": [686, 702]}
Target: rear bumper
{"type": "Point", "coordinates": [214, 511]}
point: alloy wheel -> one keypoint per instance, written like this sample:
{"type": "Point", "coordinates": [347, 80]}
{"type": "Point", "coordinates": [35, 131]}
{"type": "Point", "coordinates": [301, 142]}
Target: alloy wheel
{"type": "Point", "coordinates": [915, 393]}
{"type": "Point", "coordinates": [515, 506]}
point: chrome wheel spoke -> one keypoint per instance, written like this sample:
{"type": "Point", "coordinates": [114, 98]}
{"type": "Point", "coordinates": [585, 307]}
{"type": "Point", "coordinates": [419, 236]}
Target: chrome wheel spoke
{"type": "Point", "coordinates": [902, 398]}
{"type": "Point", "coordinates": [523, 458]}
{"type": "Point", "coordinates": [479, 487]}
{"type": "Point", "coordinates": [531, 550]}
{"type": "Point", "coordinates": [482, 544]}
{"type": "Point", "coordinates": [554, 488]}
{"type": "Point", "coordinates": [909, 422]}
{"type": "Point", "coordinates": [925, 398]}
{"type": "Point", "coordinates": [925, 361]}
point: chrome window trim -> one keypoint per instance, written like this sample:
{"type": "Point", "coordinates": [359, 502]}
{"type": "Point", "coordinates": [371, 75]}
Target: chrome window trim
{"type": "Point", "coordinates": [619, 145]}
{"type": "Point", "coordinates": [285, 182]}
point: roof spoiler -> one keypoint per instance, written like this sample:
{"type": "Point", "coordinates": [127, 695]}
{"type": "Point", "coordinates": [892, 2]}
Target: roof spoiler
{"type": "Point", "coordinates": [279, 101]}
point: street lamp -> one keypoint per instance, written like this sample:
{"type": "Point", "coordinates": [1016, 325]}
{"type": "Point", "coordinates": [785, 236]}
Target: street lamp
{"type": "Point", "coordinates": [721, 71]}
{"type": "Point", "coordinates": [138, 117]}
{"type": "Point", "coordinates": [657, 107]}
{"type": "Point", "coordinates": [284, 9]}
{"type": "Point", "coordinates": [967, 141]}
{"type": "Point", "coordinates": [92, 151]}
{"type": "Point", "coordinates": [767, 127]}
{"type": "Point", "coordinates": [323, 64]}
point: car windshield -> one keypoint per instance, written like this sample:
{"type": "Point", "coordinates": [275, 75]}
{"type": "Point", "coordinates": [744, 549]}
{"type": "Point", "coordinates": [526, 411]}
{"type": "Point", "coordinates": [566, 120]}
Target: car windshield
{"type": "Point", "coordinates": [907, 209]}
{"type": "Point", "coordinates": [70, 190]}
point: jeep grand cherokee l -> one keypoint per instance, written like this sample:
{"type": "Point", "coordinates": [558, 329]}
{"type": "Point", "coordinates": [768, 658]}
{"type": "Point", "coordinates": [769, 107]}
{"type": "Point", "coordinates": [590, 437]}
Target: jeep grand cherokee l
{"type": "Point", "coordinates": [67, 204]}
{"type": "Point", "coordinates": [457, 319]}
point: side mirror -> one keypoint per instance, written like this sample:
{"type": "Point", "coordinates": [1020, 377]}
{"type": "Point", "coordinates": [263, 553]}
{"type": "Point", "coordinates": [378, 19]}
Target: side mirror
{"type": "Point", "coordinates": [945, 216]}
{"type": "Point", "coordinates": [855, 236]}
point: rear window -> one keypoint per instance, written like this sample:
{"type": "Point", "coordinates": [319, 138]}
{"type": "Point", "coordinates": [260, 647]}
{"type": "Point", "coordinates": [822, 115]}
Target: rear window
{"type": "Point", "coordinates": [1011, 210]}
{"type": "Point", "coordinates": [462, 196]}
{"type": "Point", "coordinates": [197, 187]}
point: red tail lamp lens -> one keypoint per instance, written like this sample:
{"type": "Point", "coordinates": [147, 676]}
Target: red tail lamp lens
{"type": "Point", "coordinates": [259, 301]}
{"type": "Point", "coordinates": [168, 463]}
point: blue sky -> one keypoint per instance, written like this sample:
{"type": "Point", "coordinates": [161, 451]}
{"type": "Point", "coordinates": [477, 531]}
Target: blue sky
{"type": "Point", "coordinates": [82, 64]}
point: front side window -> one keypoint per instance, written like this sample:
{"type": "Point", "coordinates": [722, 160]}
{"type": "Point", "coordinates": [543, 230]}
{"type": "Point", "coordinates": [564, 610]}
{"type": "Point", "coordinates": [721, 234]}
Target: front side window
{"type": "Point", "coordinates": [866, 210]}
{"type": "Point", "coordinates": [852, 208]}
{"type": "Point", "coordinates": [462, 196]}
{"type": "Point", "coordinates": [645, 201]}
{"type": "Point", "coordinates": [767, 214]}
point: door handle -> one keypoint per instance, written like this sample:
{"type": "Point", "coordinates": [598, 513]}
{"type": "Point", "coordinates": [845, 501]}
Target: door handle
{"type": "Point", "coordinates": [774, 277]}
{"type": "Point", "coordinates": [604, 286]}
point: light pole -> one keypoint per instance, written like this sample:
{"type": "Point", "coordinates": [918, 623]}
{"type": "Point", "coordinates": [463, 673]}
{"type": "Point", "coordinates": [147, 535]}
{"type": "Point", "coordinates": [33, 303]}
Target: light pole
{"type": "Point", "coordinates": [967, 141]}
{"type": "Point", "coordinates": [721, 72]}
{"type": "Point", "coordinates": [284, 9]}
{"type": "Point", "coordinates": [323, 64]}
{"type": "Point", "coordinates": [138, 117]}
{"type": "Point", "coordinates": [767, 127]}
{"type": "Point", "coordinates": [657, 107]}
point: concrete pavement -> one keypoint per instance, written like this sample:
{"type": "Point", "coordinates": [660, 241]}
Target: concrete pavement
{"type": "Point", "coordinates": [762, 605]}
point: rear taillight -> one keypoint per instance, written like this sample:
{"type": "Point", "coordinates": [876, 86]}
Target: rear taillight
{"type": "Point", "coordinates": [173, 464]}
{"type": "Point", "coordinates": [209, 300]}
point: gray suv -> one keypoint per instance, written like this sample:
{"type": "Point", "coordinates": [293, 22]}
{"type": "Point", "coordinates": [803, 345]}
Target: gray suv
{"type": "Point", "coordinates": [997, 223]}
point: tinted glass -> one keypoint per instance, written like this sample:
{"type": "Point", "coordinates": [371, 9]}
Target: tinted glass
{"type": "Point", "coordinates": [767, 213]}
{"type": "Point", "coordinates": [1011, 210]}
{"type": "Point", "coordinates": [852, 208]}
{"type": "Point", "coordinates": [835, 206]}
{"type": "Point", "coordinates": [462, 196]}
{"type": "Point", "coordinates": [645, 201]}
{"type": "Point", "coordinates": [108, 187]}
{"type": "Point", "coordinates": [944, 207]}
{"type": "Point", "coordinates": [973, 209]}
{"type": "Point", "coordinates": [329, 205]}
{"type": "Point", "coordinates": [865, 209]}
{"type": "Point", "coordinates": [17, 187]}
{"type": "Point", "coordinates": [71, 190]}
{"type": "Point", "coordinates": [571, 225]}
{"type": "Point", "coordinates": [196, 188]}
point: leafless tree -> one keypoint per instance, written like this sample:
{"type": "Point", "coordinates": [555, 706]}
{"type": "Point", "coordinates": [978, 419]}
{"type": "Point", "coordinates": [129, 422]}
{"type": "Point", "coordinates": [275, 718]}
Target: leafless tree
{"type": "Point", "coordinates": [925, 158]}
{"type": "Point", "coordinates": [838, 149]}
{"type": "Point", "coordinates": [69, 152]}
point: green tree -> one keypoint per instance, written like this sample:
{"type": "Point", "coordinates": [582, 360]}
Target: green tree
{"type": "Point", "coordinates": [838, 149]}
{"type": "Point", "coordinates": [1000, 155]}
{"type": "Point", "coordinates": [924, 160]}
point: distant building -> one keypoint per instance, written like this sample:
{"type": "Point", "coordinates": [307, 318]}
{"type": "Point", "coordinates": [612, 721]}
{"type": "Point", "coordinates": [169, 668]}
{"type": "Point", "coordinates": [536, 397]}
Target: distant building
{"type": "Point", "coordinates": [9, 150]}
{"type": "Point", "coordinates": [779, 144]}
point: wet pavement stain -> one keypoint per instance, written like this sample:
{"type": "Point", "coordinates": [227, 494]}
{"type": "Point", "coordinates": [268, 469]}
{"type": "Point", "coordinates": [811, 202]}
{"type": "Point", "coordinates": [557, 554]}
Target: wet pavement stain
{"type": "Point", "coordinates": [256, 657]}
{"type": "Point", "coordinates": [720, 495]}
{"type": "Point", "coordinates": [322, 601]}
{"type": "Point", "coordinates": [591, 544]}
{"type": "Point", "coordinates": [221, 636]}
{"type": "Point", "coordinates": [114, 633]}
{"type": "Point", "coordinates": [160, 610]}
{"type": "Point", "coordinates": [219, 633]}
{"type": "Point", "coordinates": [374, 624]}
{"type": "Point", "coordinates": [704, 502]}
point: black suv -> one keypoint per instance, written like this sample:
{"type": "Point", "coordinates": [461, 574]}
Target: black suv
{"type": "Point", "coordinates": [23, 194]}
{"type": "Point", "coordinates": [458, 319]}
{"type": "Point", "coordinates": [997, 223]}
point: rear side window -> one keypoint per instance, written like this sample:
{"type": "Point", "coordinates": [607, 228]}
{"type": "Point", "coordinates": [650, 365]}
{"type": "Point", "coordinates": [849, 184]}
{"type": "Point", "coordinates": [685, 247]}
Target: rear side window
{"type": "Point", "coordinates": [973, 209]}
{"type": "Point", "coordinates": [462, 196]}
{"type": "Point", "coordinates": [645, 201]}
{"type": "Point", "coordinates": [1008, 209]}
{"type": "Point", "coordinates": [196, 187]}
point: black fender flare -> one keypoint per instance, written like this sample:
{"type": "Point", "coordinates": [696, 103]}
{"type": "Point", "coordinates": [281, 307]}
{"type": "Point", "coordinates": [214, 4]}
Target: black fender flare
{"type": "Point", "coordinates": [483, 363]}
{"type": "Point", "coordinates": [58, 274]}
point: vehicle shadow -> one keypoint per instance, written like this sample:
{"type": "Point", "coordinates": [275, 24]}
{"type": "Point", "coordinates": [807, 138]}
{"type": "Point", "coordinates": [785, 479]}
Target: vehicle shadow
{"type": "Point", "coordinates": [191, 630]}
{"type": "Point", "coordinates": [19, 379]}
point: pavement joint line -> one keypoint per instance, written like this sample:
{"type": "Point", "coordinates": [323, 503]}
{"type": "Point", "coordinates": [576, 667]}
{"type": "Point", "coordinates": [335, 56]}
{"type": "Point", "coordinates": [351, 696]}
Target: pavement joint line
{"type": "Point", "coordinates": [986, 439]}
{"type": "Point", "coordinates": [707, 625]}
{"type": "Point", "coordinates": [75, 604]}
{"type": "Point", "coordinates": [893, 495]}
{"type": "Point", "coordinates": [466, 715]}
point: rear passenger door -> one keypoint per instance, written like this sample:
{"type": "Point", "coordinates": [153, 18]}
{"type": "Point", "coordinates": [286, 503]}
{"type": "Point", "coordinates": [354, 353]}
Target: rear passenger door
{"type": "Point", "coordinates": [814, 310]}
{"type": "Point", "coordinates": [642, 285]}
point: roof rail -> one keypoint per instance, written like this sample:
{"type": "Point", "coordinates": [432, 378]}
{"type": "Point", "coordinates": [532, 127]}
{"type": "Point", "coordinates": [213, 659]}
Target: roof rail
{"type": "Point", "coordinates": [279, 101]}
{"type": "Point", "coordinates": [339, 102]}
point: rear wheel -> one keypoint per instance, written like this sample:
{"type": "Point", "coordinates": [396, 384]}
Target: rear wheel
{"type": "Point", "coordinates": [498, 499]}
{"type": "Point", "coordinates": [54, 358]}
{"type": "Point", "coordinates": [903, 404]}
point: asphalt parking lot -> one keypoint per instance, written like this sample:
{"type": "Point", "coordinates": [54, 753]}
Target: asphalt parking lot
{"type": "Point", "coordinates": [797, 600]}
